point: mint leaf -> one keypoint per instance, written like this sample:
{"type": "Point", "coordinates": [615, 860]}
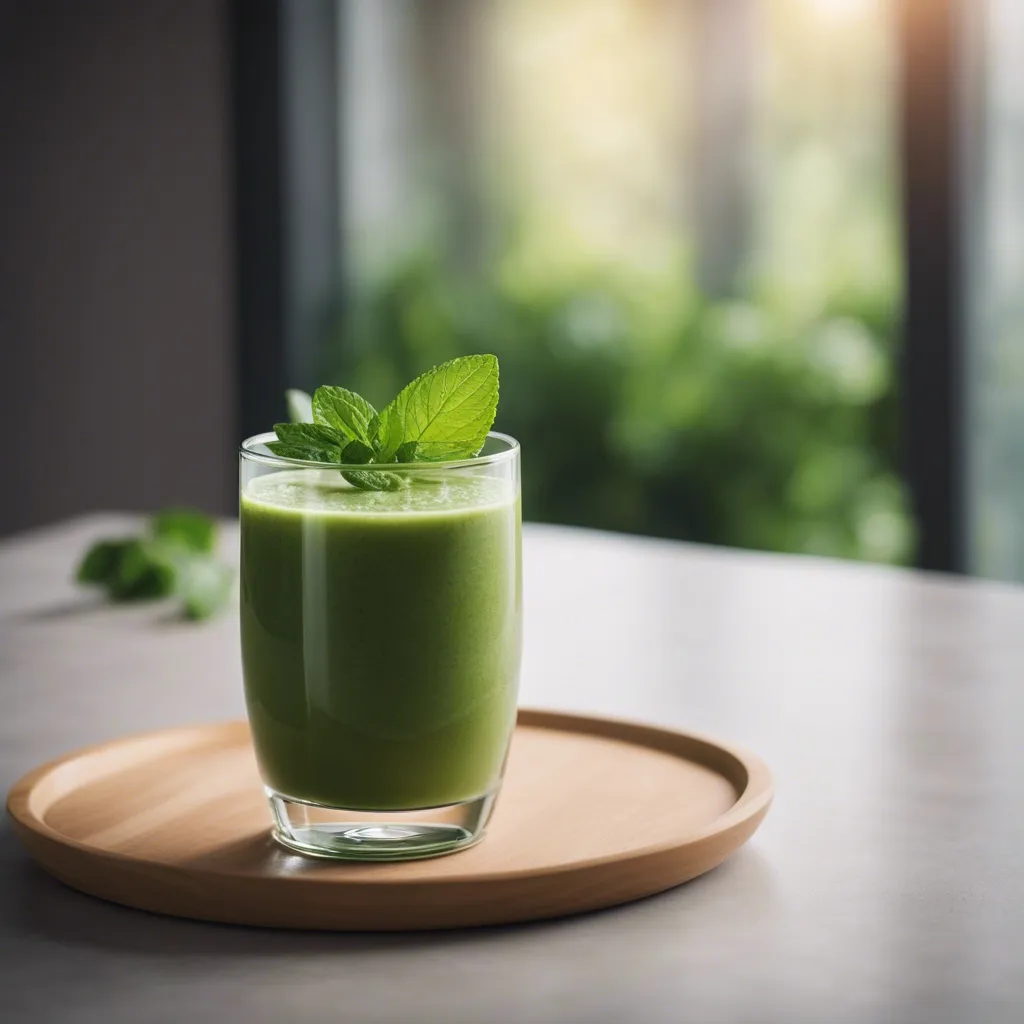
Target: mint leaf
{"type": "Point", "coordinates": [406, 452]}
{"type": "Point", "coordinates": [357, 452]}
{"type": "Point", "coordinates": [300, 452]}
{"type": "Point", "coordinates": [132, 569]}
{"type": "Point", "coordinates": [145, 571]}
{"type": "Point", "coordinates": [300, 406]}
{"type": "Point", "coordinates": [313, 442]}
{"type": "Point", "coordinates": [348, 413]}
{"type": "Point", "coordinates": [431, 451]}
{"type": "Point", "coordinates": [102, 561]}
{"type": "Point", "coordinates": [454, 404]}
{"type": "Point", "coordinates": [191, 529]}
{"type": "Point", "coordinates": [312, 434]}
{"type": "Point", "coordinates": [372, 480]}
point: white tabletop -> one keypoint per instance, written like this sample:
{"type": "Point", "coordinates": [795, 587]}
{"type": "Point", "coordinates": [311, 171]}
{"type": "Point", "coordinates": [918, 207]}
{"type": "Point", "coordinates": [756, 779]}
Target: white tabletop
{"type": "Point", "coordinates": [887, 883]}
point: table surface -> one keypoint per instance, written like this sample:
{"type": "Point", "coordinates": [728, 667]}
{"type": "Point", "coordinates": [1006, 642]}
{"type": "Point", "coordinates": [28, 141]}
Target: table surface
{"type": "Point", "coordinates": [885, 884]}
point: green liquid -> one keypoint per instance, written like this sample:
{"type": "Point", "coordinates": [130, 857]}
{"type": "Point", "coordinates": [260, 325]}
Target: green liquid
{"type": "Point", "coordinates": [380, 637]}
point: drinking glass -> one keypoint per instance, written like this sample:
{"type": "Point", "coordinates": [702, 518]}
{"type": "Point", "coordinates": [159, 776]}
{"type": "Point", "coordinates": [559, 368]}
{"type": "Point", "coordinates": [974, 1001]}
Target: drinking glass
{"type": "Point", "coordinates": [381, 620]}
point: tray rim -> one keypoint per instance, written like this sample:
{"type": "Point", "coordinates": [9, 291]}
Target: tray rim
{"type": "Point", "coordinates": [46, 844]}
{"type": "Point", "coordinates": [756, 795]}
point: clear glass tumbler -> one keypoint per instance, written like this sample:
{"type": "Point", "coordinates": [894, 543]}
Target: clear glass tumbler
{"type": "Point", "coordinates": [381, 634]}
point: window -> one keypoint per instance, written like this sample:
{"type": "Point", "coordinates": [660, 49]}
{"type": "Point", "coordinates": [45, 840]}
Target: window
{"type": "Point", "coordinates": [728, 253]}
{"type": "Point", "coordinates": [676, 224]}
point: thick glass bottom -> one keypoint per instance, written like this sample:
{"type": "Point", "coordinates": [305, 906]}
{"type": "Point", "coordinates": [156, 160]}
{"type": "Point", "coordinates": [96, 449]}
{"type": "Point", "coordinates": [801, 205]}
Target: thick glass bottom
{"type": "Point", "coordinates": [341, 834]}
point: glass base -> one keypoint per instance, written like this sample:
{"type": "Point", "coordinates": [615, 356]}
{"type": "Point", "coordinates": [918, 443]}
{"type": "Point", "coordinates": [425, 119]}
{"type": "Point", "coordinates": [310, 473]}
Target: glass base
{"type": "Point", "coordinates": [340, 834]}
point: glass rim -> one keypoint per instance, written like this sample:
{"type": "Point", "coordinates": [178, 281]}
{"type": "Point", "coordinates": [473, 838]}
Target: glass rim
{"type": "Point", "coordinates": [247, 451]}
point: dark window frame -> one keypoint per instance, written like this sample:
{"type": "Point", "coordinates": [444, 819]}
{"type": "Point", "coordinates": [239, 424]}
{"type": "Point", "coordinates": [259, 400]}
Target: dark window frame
{"type": "Point", "coordinates": [287, 121]}
{"type": "Point", "coordinates": [933, 363]}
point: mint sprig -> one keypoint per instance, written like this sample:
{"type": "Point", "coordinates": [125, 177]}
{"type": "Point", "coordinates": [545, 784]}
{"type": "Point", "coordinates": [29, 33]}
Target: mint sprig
{"type": "Point", "coordinates": [172, 558]}
{"type": "Point", "coordinates": [443, 415]}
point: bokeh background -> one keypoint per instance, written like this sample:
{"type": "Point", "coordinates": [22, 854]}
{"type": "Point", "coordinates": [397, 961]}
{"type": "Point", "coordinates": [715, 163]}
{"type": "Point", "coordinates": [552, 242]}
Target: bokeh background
{"type": "Point", "coordinates": [752, 267]}
{"type": "Point", "coordinates": [675, 224]}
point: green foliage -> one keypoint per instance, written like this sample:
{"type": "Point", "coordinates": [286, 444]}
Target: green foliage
{"type": "Point", "coordinates": [661, 413]}
{"type": "Point", "coordinates": [129, 569]}
{"type": "Point", "coordinates": [172, 558]}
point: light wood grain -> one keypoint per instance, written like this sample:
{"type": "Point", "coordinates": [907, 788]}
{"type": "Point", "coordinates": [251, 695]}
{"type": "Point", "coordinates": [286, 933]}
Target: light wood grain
{"type": "Point", "coordinates": [594, 812]}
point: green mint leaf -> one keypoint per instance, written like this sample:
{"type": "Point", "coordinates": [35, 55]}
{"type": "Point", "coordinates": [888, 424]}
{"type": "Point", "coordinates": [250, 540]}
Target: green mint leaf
{"type": "Point", "coordinates": [205, 586]}
{"type": "Point", "coordinates": [373, 480]}
{"type": "Point", "coordinates": [357, 452]}
{"type": "Point", "coordinates": [313, 442]}
{"type": "Point", "coordinates": [301, 452]}
{"type": "Point", "coordinates": [191, 529]}
{"type": "Point", "coordinates": [406, 452]}
{"type": "Point", "coordinates": [132, 569]}
{"type": "Point", "coordinates": [431, 451]}
{"type": "Point", "coordinates": [348, 413]}
{"type": "Point", "coordinates": [368, 480]}
{"type": "Point", "coordinates": [454, 403]}
{"type": "Point", "coordinates": [300, 406]}
{"type": "Point", "coordinates": [145, 572]}
{"type": "Point", "coordinates": [317, 435]}
{"type": "Point", "coordinates": [102, 561]}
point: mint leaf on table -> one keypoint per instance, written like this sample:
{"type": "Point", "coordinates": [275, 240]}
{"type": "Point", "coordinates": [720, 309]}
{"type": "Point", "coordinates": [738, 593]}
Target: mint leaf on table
{"type": "Point", "coordinates": [453, 404]}
{"type": "Point", "coordinates": [300, 406]}
{"type": "Point", "coordinates": [129, 569]}
{"type": "Point", "coordinates": [172, 558]}
{"type": "Point", "coordinates": [348, 413]}
{"type": "Point", "coordinates": [146, 572]}
{"type": "Point", "coordinates": [102, 561]}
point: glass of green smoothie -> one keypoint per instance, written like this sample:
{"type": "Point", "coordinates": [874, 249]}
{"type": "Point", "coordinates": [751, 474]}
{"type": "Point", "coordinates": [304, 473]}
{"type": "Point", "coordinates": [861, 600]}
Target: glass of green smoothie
{"type": "Point", "coordinates": [381, 634]}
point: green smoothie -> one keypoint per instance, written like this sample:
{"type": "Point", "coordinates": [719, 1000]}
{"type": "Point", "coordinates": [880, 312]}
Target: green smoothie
{"type": "Point", "coordinates": [380, 637]}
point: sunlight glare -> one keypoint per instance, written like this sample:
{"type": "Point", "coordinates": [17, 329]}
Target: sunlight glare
{"type": "Point", "coordinates": [837, 11]}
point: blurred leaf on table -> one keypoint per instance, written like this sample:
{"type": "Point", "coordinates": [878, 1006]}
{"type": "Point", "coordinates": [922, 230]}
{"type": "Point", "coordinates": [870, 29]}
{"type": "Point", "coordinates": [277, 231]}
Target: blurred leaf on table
{"type": "Point", "coordinates": [172, 558]}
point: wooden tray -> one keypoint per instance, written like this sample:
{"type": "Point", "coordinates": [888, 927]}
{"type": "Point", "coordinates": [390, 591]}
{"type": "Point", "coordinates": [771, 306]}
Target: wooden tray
{"type": "Point", "coordinates": [594, 812]}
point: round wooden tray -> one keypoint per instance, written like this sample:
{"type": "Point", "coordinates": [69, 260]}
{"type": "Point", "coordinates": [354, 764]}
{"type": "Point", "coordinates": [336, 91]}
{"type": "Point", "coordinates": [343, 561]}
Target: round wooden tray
{"type": "Point", "coordinates": [594, 812]}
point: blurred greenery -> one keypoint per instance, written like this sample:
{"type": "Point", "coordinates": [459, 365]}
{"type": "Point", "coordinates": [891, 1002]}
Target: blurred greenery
{"type": "Point", "coordinates": [562, 218]}
{"type": "Point", "coordinates": [659, 412]}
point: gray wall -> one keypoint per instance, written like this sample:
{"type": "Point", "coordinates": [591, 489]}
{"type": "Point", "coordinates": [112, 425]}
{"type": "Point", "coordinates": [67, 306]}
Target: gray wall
{"type": "Point", "coordinates": [116, 346]}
